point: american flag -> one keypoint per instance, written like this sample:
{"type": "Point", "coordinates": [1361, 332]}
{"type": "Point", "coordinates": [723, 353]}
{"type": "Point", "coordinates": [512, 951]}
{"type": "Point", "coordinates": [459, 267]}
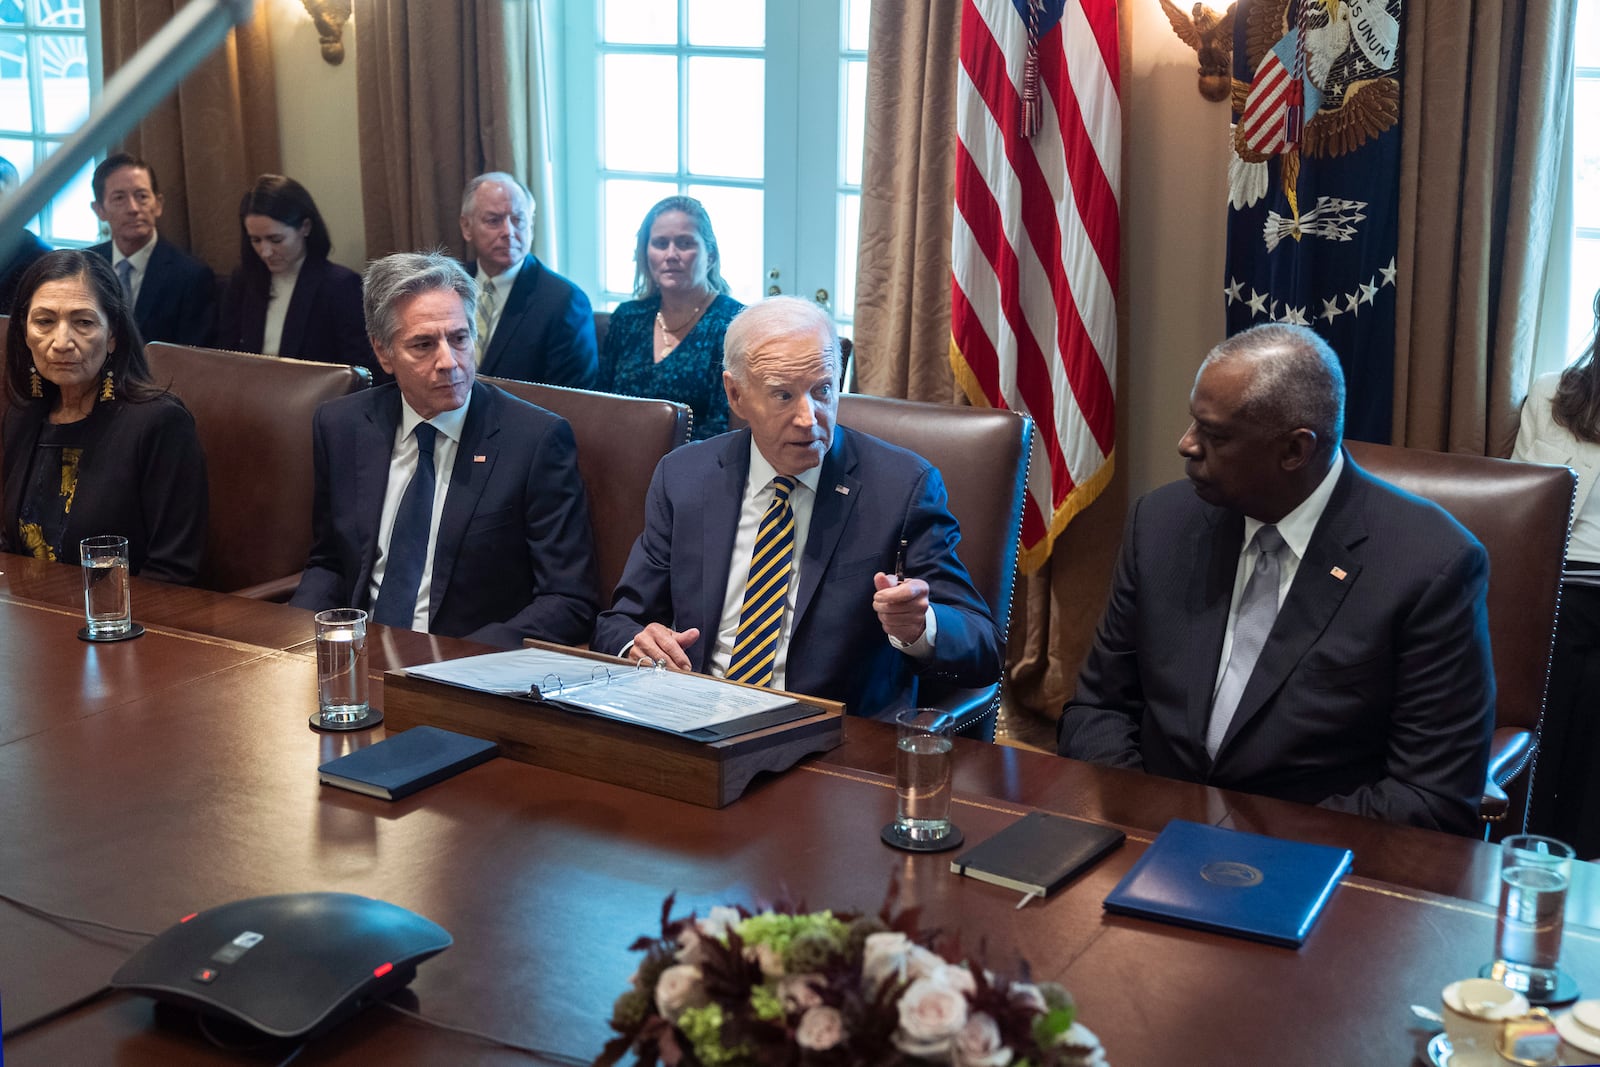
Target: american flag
{"type": "Point", "coordinates": [1036, 239]}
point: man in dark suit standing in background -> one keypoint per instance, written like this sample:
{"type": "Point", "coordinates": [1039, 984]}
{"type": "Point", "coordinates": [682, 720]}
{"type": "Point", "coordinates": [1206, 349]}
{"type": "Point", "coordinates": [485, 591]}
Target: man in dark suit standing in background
{"type": "Point", "coordinates": [1283, 623]}
{"type": "Point", "coordinates": [533, 324]}
{"type": "Point", "coordinates": [798, 554]}
{"type": "Point", "coordinates": [442, 503]}
{"type": "Point", "coordinates": [174, 295]}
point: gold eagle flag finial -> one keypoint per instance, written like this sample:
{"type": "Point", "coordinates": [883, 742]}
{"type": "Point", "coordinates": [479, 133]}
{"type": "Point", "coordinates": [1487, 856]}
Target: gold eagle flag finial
{"type": "Point", "coordinates": [1210, 35]}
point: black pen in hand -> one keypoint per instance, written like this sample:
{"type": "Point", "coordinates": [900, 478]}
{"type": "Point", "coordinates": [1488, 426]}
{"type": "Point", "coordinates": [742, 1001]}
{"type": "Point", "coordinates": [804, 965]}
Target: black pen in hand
{"type": "Point", "coordinates": [900, 562]}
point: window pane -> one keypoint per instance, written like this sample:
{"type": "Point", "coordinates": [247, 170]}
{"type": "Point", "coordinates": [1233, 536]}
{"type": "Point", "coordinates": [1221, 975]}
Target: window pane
{"type": "Point", "coordinates": [65, 83]}
{"type": "Point", "coordinates": [736, 216]}
{"type": "Point", "coordinates": [857, 16]}
{"type": "Point", "coordinates": [10, 12]}
{"type": "Point", "coordinates": [641, 113]}
{"type": "Point", "coordinates": [1586, 154]}
{"type": "Point", "coordinates": [15, 114]}
{"type": "Point", "coordinates": [19, 154]}
{"type": "Point", "coordinates": [737, 23]}
{"type": "Point", "coordinates": [1585, 283]}
{"type": "Point", "coordinates": [844, 304]}
{"type": "Point", "coordinates": [641, 21]}
{"type": "Point", "coordinates": [59, 14]}
{"type": "Point", "coordinates": [625, 205]}
{"type": "Point", "coordinates": [1587, 41]}
{"type": "Point", "coordinates": [855, 120]}
{"type": "Point", "coordinates": [70, 218]}
{"type": "Point", "coordinates": [726, 106]}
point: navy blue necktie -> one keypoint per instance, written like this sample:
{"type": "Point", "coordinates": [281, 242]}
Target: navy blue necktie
{"type": "Point", "coordinates": [408, 541]}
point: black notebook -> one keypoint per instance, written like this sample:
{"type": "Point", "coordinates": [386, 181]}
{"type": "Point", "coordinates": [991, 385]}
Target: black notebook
{"type": "Point", "coordinates": [1264, 888]}
{"type": "Point", "coordinates": [1038, 853]}
{"type": "Point", "coordinates": [406, 762]}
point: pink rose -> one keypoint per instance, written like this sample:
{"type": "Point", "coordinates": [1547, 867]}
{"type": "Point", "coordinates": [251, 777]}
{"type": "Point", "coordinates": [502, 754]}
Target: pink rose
{"type": "Point", "coordinates": [798, 992]}
{"type": "Point", "coordinates": [932, 1011]}
{"type": "Point", "coordinates": [821, 1028]}
{"type": "Point", "coordinates": [979, 1044]}
{"type": "Point", "coordinates": [679, 988]}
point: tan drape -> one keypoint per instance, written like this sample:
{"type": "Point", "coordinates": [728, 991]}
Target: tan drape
{"type": "Point", "coordinates": [207, 141]}
{"type": "Point", "coordinates": [530, 105]}
{"type": "Point", "coordinates": [1486, 88]}
{"type": "Point", "coordinates": [431, 92]}
{"type": "Point", "coordinates": [902, 331]}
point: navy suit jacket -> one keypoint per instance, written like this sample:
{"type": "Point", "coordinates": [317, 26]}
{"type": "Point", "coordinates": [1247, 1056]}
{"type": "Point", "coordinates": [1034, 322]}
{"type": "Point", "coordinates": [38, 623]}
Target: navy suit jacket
{"type": "Point", "coordinates": [324, 320]}
{"type": "Point", "coordinates": [545, 333]}
{"type": "Point", "coordinates": [514, 554]}
{"type": "Point", "coordinates": [1373, 694]}
{"type": "Point", "coordinates": [29, 248]}
{"type": "Point", "coordinates": [177, 298]}
{"type": "Point", "coordinates": [871, 494]}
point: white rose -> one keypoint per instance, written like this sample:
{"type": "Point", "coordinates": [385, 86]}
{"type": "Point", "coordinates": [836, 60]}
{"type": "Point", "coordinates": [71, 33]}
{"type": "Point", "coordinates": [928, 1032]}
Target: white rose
{"type": "Point", "coordinates": [719, 922]}
{"type": "Point", "coordinates": [690, 948]}
{"type": "Point", "coordinates": [769, 959]}
{"type": "Point", "coordinates": [931, 1013]}
{"type": "Point", "coordinates": [883, 956]}
{"type": "Point", "coordinates": [956, 976]}
{"type": "Point", "coordinates": [920, 963]}
{"type": "Point", "coordinates": [679, 988]}
{"type": "Point", "coordinates": [1082, 1047]}
{"type": "Point", "coordinates": [1027, 995]}
{"type": "Point", "coordinates": [979, 1044]}
{"type": "Point", "coordinates": [820, 1029]}
{"type": "Point", "coordinates": [798, 992]}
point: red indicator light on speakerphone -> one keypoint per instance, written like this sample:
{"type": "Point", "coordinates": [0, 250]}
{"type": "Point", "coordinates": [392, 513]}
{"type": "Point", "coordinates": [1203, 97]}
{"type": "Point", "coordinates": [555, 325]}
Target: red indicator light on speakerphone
{"type": "Point", "coordinates": [189, 916]}
{"type": "Point", "coordinates": [382, 969]}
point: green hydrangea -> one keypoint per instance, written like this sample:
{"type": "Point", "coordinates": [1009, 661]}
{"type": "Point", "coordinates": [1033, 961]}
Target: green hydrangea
{"type": "Point", "coordinates": [780, 931]}
{"type": "Point", "coordinates": [703, 1027]}
{"type": "Point", "coordinates": [766, 1003]}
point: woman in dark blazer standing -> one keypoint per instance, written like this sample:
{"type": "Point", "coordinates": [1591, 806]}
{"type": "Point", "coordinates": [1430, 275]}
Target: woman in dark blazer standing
{"type": "Point", "coordinates": [286, 298]}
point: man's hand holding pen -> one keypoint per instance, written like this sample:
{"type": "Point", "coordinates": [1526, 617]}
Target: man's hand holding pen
{"type": "Point", "coordinates": [902, 606]}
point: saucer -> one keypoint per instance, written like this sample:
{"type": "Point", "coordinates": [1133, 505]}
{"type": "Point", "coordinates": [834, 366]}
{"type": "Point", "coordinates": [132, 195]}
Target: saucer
{"type": "Point", "coordinates": [1575, 1034]}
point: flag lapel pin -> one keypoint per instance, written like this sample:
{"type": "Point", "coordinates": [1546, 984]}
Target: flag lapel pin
{"type": "Point", "coordinates": [842, 490]}
{"type": "Point", "coordinates": [1340, 573]}
{"type": "Point", "coordinates": [479, 458]}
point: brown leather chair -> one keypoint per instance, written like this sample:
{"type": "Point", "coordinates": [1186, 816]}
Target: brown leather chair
{"type": "Point", "coordinates": [983, 454]}
{"type": "Point", "coordinates": [1521, 512]}
{"type": "Point", "coordinates": [620, 441]}
{"type": "Point", "coordinates": [253, 414]}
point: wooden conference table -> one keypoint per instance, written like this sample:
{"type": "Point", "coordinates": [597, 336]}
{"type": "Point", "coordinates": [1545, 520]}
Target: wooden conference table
{"type": "Point", "coordinates": [144, 780]}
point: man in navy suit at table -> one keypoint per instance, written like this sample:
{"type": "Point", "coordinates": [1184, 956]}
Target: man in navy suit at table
{"type": "Point", "coordinates": [1284, 623]}
{"type": "Point", "coordinates": [442, 503]}
{"type": "Point", "coordinates": [533, 324]}
{"type": "Point", "coordinates": [772, 555]}
{"type": "Point", "coordinates": [174, 295]}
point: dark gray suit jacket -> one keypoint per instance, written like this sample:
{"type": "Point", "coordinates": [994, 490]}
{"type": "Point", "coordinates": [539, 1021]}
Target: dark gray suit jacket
{"type": "Point", "coordinates": [514, 555]}
{"type": "Point", "coordinates": [546, 332]}
{"type": "Point", "coordinates": [1373, 694]}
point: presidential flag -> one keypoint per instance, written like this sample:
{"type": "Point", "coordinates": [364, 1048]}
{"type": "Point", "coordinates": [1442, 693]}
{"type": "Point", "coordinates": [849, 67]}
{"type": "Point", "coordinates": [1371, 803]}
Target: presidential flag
{"type": "Point", "coordinates": [1313, 184]}
{"type": "Point", "coordinates": [1036, 242]}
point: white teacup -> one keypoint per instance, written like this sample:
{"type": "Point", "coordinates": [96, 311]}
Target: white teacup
{"type": "Point", "coordinates": [1580, 1033]}
{"type": "Point", "coordinates": [1475, 1012]}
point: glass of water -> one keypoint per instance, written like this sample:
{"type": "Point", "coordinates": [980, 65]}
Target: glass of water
{"type": "Point", "coordinates": [1534, 874]}
{"type": "Point", "coordinates": [923, 761]}
{"type": "Point", "coordinates": [107, 607]}
{"type": "Point", "coordinates": [342, 665]}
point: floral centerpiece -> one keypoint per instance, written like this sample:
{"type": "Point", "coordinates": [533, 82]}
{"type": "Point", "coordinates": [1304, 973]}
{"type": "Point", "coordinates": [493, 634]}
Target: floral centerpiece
{"type": "Point", "coordinates": [782, 987]}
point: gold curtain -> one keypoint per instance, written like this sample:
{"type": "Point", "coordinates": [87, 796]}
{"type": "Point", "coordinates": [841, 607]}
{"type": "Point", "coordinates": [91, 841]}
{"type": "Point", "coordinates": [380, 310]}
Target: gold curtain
{"type": "Point", "coordinates": [209, 140]}
{"type": "Point", "coordinates": [903, 331]}
{"type": "Point", "coordinates": [1486, 90]}
{"type": "Point", "coordinates": [431, 92]}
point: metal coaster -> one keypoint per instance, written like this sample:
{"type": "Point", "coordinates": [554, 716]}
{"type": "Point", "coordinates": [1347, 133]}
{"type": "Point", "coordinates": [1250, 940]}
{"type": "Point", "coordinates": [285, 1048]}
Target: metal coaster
{"type": "Point", "coordinates": [134, 630]}
{"type": "Point", "coordinates": [892, 837]}
{"type": "Point", "coordinates": [373, 717]}
{"type": "Point", "coordinates": [1565, 992]}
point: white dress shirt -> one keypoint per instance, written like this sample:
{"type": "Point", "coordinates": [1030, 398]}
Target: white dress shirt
{"type": "Point", "coordinates": [140, 261]}
{"type": "Point", "coordinates": [402, 465]}
{"type": "Point", "coordinates": [1296, 528]}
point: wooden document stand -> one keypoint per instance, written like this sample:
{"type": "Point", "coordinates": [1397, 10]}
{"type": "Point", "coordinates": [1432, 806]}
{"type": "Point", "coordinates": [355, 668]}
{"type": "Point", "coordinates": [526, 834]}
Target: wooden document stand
{"type": "Point", "coordinates": [712, 774]}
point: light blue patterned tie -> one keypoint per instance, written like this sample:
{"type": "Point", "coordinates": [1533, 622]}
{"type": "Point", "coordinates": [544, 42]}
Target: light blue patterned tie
{"type": "Point", "coordinates": [1258, 609]}
{"type": "Point", "coordinates": [125, 272]}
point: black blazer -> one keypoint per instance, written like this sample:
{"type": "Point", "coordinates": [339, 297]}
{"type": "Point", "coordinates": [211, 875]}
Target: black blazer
{"type": "Point", "coordinates": [324, 321]}
{"type": "Point", "coordinates": [1375, 690]}
{"type": "Point", "coordinates": [29, 248]}
{"type": "Point", "coordinates": [514, 554]}
{"type": "Point", "coordinates": [178, 297]}
{"type": "Point", "coordinates": [546, 332]}
{"type": "Point", "coordinates": [142, 476]}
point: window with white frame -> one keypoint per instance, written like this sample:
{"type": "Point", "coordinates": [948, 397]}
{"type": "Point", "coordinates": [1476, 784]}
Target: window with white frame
{"type": "Point", "coordinates": [1585, 175]}
{"type": "Point", "coordinates": [49, 70]}
{"type": "Point", "coordinates": [756, 109]}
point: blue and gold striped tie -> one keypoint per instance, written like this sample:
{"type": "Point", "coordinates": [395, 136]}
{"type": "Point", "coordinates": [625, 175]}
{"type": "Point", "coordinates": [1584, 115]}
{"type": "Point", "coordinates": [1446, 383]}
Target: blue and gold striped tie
{"type": "Point", "coordinates": [755, 646]}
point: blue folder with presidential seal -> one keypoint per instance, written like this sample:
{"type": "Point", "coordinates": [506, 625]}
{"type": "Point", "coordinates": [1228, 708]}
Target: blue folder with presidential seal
{"type": "Point", "coordinates": [1263, 888]}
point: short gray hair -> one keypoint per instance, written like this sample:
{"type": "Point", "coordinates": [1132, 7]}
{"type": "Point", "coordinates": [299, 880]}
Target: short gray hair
{"type": "Point", "coordinates": [470, 193]}
{"type": "Point", "coordinates": [776, 316]}
{"type": "Point", "coordinates": [392, 280]}
{"type": "Point", "coordinates": [1298, 381]}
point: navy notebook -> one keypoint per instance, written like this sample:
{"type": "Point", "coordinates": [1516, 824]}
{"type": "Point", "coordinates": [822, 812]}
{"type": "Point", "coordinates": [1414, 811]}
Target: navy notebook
{"type": "Point", "coordinates": [1263, 888]}
{"type": "Point", "coordinates": [405, 762]}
